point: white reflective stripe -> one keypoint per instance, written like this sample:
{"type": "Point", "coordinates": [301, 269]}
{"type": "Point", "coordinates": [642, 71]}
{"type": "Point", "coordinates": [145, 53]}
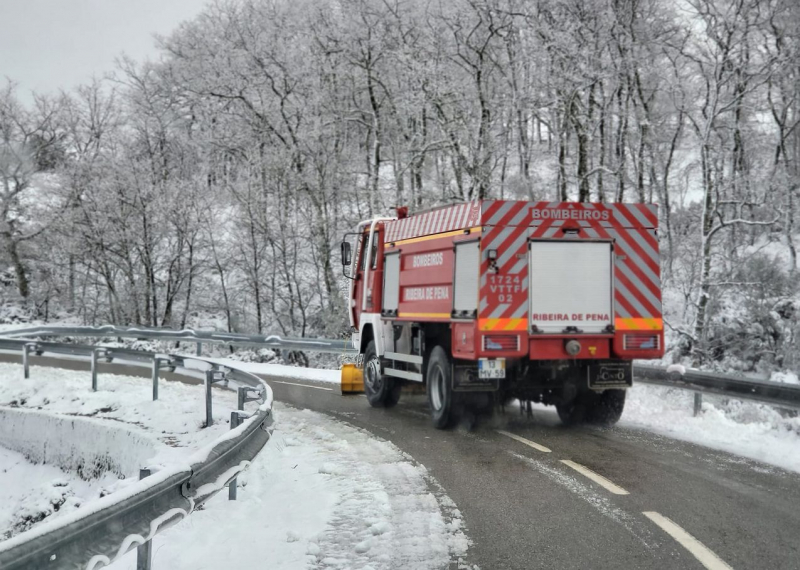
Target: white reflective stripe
{"type": "Point", "coordinates": [412, 358]}
{"type": "Point", "coordinates": [415, 376]}
{"type": "Point", "coordinates": [448, 215]}
{"type": "Point", "coordinates": [437, 224]}
{"type": "Point", "coordinates": [428, 220]}
{"type": "Point", "coordinates": [704, 555]}
{"type": "Point", "coordinates": [527, 442]}
{"type": "Point", "coordinates": [458, 215]}
{"type": "Point", "coordinates": [596, 477]}
{"type": "Point", "coordinates": [467, 210]}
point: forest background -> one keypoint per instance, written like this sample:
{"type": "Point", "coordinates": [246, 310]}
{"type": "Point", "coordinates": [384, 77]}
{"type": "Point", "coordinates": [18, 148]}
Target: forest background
{"type": "Point", "coordinates": [212, 187]}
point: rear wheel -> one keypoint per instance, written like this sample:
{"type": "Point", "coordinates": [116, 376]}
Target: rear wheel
{"type": "Point", "coordinates": [607, 407]}
{"type": "Point", "coordinates": [604, 408]}
{"type": "Point", "coordinates": [573, 412]}
{"type": "Point", "coordinates": [441, 398]}
{"type": "Point", "coordinates": [381, 391]}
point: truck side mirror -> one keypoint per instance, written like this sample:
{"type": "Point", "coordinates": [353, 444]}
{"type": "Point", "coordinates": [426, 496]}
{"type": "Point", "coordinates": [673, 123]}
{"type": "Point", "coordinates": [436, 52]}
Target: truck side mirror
{"type": "Point", "coordinates": [347, 258]}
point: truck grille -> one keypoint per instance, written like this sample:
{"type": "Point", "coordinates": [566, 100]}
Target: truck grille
{"type": "Point", "coordinates": [500, 342]}
{"type": "Point", "coordinates": [641, 342]}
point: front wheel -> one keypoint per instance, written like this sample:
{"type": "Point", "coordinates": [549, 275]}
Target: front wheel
{"type": "Point", "coordinates": [381, 391]}
{"type": "Point", "coordinates": [441, 398]}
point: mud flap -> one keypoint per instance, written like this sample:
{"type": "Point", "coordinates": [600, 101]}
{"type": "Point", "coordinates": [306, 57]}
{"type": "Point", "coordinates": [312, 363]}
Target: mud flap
{"type": "Point", "coordinates": [352, 379]}
{"type": "Point", "coordinates": [465, 379]}
{"type": "Point", "coordinates": [610, 375]}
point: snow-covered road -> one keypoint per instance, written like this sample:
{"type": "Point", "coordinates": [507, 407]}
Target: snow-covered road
{"type": "Point", "coordinates": [320, 494]}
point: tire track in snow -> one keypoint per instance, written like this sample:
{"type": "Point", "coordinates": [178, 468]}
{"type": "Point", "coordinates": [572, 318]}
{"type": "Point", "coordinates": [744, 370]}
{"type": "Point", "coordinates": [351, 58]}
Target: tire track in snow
{"type": "Point", "coordinates": [390, 514]}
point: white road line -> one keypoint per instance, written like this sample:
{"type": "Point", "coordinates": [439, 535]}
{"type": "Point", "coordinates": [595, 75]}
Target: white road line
{"type": "Point", "coordinates": [705, 556]}
{"type": "Point", "coordinates": [301, 385]}
{"type": "Point", "coordinates": [527, 442]}
{"type": "Point", "coordinates": [596, 477]}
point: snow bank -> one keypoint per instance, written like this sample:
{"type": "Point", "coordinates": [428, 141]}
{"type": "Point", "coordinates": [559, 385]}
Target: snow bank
{"type": "Point", "coordinates": [322, 494]}
{"type": "Point", "coordinates": [747, 429]}
{"type": "Point", "coordinates": [174, 422]}
{"type": "Point", "coordinates": [787, 377]}
{"type": "Point", "coordinates": [56, 421]}
{"type": "Point", "coordinates": [88, 447]}
{"type": "Point", "coordinates": [30, 493]}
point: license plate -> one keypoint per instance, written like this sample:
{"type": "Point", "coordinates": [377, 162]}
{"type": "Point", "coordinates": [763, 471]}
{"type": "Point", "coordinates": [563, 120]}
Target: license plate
{"type": "Point", "coordinates": [610, 375]}
{"type": "Point", "coordinates": [492, 368]}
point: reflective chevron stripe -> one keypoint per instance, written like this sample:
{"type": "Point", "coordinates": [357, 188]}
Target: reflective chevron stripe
{"type": "Point", "coordinates": [637, 293]}
{"type": "Point", "coordinates": [503, 324]}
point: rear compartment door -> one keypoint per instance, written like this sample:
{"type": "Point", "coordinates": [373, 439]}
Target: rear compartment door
{"type": "Point", "coordinates": [465, 279]}
{"type": "Point", "coordinates": [571, 286]}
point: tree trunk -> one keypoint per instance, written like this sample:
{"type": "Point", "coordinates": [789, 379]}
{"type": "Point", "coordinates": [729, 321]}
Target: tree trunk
{"type": "Point", "coordinates": [705, 285]}
{"type": "Point", "coordinates": [23, 286]}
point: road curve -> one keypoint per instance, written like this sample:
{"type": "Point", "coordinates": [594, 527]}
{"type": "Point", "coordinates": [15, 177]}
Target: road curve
{"type": "Point", "coordinates": [525, 507]}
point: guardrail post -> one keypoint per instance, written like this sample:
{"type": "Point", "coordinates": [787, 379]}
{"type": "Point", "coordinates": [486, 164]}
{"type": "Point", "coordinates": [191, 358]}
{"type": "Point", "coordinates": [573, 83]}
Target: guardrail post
{"type": "Point", "coordinates": [159, 362]}
{"type": "Point", "coordinates": [212, 376]}
{"type": "Point", "coordinates": [232, 486]}
{"type": "Point", "coordinates": [698, 403]}
{"type": "Point", "coordinates": [26, 349]}
{"type": "Point", "coordinates": [199, 349]}
{"type": "Point", "coordinates": [156, 366]}
{"type": "Point", "coordinates": [97, 353]}
{"type": "Point", "coordinates": [242, 396]}
{"type": "Point", "coordinates": [144, 552]}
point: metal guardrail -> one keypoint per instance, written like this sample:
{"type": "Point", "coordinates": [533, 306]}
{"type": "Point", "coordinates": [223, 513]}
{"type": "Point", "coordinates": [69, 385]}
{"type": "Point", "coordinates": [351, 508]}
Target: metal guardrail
{"type": "Point", "coordinates": [701, 382]}
{"type": "Point", "coordinates": [104, 530]}
{"type": "Point", "coordinates": [189, 335]}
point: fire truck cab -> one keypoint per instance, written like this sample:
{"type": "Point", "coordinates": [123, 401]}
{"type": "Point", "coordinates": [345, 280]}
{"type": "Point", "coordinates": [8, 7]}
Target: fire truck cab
{"type": "Point", "coordinates": [494, 300]}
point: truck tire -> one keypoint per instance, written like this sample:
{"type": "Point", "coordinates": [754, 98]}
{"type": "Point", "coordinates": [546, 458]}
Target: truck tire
{"type": "Point", "coordinates": [381, 391]}
{"type": "Point", "coordinates": [441, 398]}
{"type": "Point", "coordinates": [575, 411]}
{"type": "Point", "coordinates": [607, 407]}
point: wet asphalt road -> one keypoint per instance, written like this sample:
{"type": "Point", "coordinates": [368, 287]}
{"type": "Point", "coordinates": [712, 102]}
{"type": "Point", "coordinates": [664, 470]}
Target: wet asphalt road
{"type": "Point", "coordinates": [525, 508]}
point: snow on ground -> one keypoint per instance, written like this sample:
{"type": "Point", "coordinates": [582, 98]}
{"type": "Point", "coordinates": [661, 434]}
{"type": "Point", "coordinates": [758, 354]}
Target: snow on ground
{"type": "Point", "coordinates": [785, 377]}
{"type": "Point", "coordinates": [174, 421]}
{"type": "Point", "coordinates": [321, 494]}
{"type": "Point", "coordinates": [748, 429]}
{"type": "Point", "coordinates": [94, 442]}
{"type": "Point", "coordinates": [29, 493]}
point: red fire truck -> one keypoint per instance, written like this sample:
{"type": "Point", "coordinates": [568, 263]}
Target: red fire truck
{"type": "Point", "coordinates": [494, 300]}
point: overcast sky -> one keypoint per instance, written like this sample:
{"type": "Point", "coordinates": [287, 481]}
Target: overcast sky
{"type": "Point", "coordinates": [46, 45]}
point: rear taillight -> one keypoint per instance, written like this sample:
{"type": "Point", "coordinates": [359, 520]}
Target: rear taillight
{"type": "Point", "coordinates": [500, 342]}
{"type": "Point", "coordinates": [641, 341]}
